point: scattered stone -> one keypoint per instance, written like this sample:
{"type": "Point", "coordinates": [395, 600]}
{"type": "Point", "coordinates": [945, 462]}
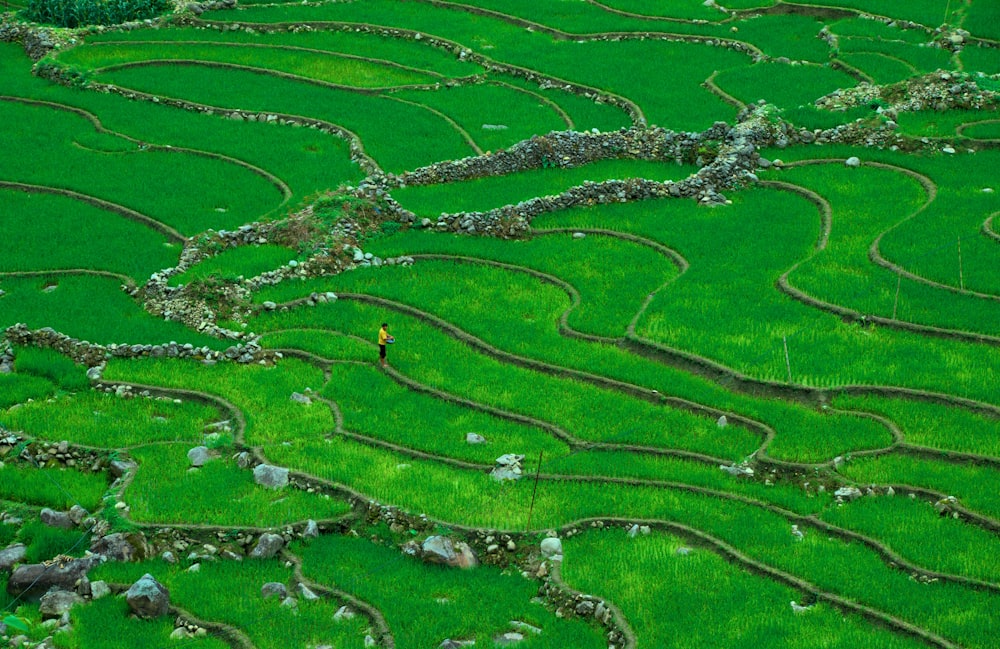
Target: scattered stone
{"type": "Point", "coordinates": [722, 422]}
{"type": "Point", "coordinates": [508, 467]}
{"type": "Point", "coordinates": [474, 438]}
{"type": "Point", "coordinates": [442, 550]}
{"type": "Point", "coordinates": [797, 608]}
{"type": "Point", "coordinates": [853, 161]}
{"type": "Point", "coordinates": [267, 546]}
{"type": "Point", "coordinates": [737, 470]}
{"type": "Point", "coordinates": [848, 493]}
{"type": "Point", "coordinates": [53, 518]}
{"type": "Point", "coordinates": [148, 598]}
{"type": "Point", "coordinates": [272, 477]}
{"type": "Point", "coordinates": [199, 456]}
{"type": "Point", "coordinates": [298, 397]}
{"type": "Point", "coordinates": [579, 235]}
{"type": "Point", "coordinates": [948, 149]}
{"type": "Point", "coordinates": [307, 594]}
{"type": "Point", "coordinates": [551, 548]}
{"type": "Point", "coordinates": [343, 613]}
{"type": "Point", "coordinates": [11, 555]}
{"type": "Point", "coordinates": [33, 580]}
{"type": "Point", "coordinates": [99, 589]}
{"type": "Point", "coordinates": [683, 551]}
{"type": "Point", "coordinates": [311, 530]}
{"type": "Point", "coordinates": [56, 602]}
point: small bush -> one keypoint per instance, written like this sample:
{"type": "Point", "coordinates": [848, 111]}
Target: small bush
{"type": "Point", "coordinates": [75, 13]}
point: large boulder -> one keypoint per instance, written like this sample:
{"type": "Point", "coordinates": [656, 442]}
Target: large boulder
{"type": "Point", "coordinates": [272, 477]}
{"type": "Point", "coordinates": [551, 548]}
{"type": "Point", "coordinates": [148, 598]}
{"type": "Point", "coordinates": [33, 580]}
{"type": "Point", "coordinates": [121, 547]}
{"type": "Point", "coordinates": [12, 554]}
{"type": "Point", "coordinates": [52, 518]}
{"type": "Point", "coordinates": [56, 602]}
{"type": "Point", "coordinates": [267, 546]}
{"type": "Point", "coordinates": [441, 549]}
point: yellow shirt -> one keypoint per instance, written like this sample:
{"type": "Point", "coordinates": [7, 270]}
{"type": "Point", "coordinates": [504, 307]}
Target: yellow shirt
{"type": "Point", "coordinates": [383, 336]}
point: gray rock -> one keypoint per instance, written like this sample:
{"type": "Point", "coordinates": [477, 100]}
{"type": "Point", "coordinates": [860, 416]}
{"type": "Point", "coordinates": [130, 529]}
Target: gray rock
{"type": "Point", "coordinates": [77, 514]}
{"type": "Point", "coordinates": [99, 589]}
{"type": "Point", "coordinates": [269, 476]}
{"type": "Point", "coordinates": [311, 531]}
{"type": "Point", "coordinates": [148, 598]}
{"type": "Point", "coordinates": [120, 547]}
{"type": "Point", "coordinates": [53, 518]}
{"type": "Point", "coordinates": [848, 493]}
{"type": "Point", "coordinates": [33, 580]}
{"type": "Point", "coordinates": [551, 547]}
{"type": "Point", "coordinates": [307, 594]}
{"type": "Point", "coordinates": [853, 161]}
{"type": "Point", "coordinates": [199, 456]}
{"type": "Point", "coordinates": [11, 555]}
{"type": "Point", "coordinates": [56, 602]}
{"type": "Point", "coordinates": [441, 550]}
{"type": "Point", "coordinates": [298, 397]}
{"type": "Point", "coordinates": [267, 546]}
{"type": "Point", "coordinates": [274, 589]}
{"type": "Point", "coordinates": [474, 438]}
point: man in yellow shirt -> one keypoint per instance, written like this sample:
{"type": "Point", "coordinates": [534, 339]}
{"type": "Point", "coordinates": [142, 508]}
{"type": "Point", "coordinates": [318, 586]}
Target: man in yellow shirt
{"type": "Point", "coordinates": [383, 340]}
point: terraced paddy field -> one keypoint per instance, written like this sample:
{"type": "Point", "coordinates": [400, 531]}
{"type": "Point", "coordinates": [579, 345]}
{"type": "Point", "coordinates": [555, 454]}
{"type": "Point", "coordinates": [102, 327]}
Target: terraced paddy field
{"type": "Point", "coordinates": [692, 325]}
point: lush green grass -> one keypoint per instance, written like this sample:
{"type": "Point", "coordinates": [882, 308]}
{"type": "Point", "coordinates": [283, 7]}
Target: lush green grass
{"type": "Point", "coordinates": [931, 123]}
{"type": "Point", "coordinates": [846, 568]}
{"type": "Point", "coordinates": [51, 365]}
{"type": "Point", "coordinates": [309, 624]}
{"type": "Point", "coordinates": [781, 84]}
{"type": "Point", "coordinates": [981, 59]}
{"type": "Point", "coordinates": [842, 274]}
{"type": "Point", "coordinates": [19, 388]}
{"type": "Point", "coordinates": [426, 354]}
{"type": "Point", "coordinates": [167, 490]}
{"type": "Point", "coordinates": [419, 137]}
{"type": "Point", "coordinates": [584, 113]}
{"type": "Point", "coordinates": [791, 36]}
{"type": "Point", "coordinates": [822, 349]}
{"type": "Point", "coordinates": [876, 31]}
{"type": "Point", "coordinates": [237, 263]}
{"type": "Point", "coordinates": [441, 602]}
{"type": "Point", "coordinates": [262, 394]}
{"type": "Point", "coordinates": [698, 599]}
{"type": "Point", "coordinates": [974, 486]}
{"type": "Point", "coordinates": [983, 19]}
{"type": "Point", "coordinates": [613, 277]}
{"type": "Point", "coordinates": [304, 158]}
{"type": "Point", "coordinates": [43, 543]}
{"type": "Point", "coordinates": [323, 343]}
{"type": "Point", "coordinates": [100, 621]}
{"type": "Point", "coordinates": [987, 131]}
{"type": "Point", "coordinates": [51, 487]}
{"type": "Point", "coordinates": [495, 116]}
{"type": "Point", "coordinates": [71, 154]}
{"type": "Point", "coordinates": [44, 232]}
{"type": "Point", "coordinates": [811, 117]}
{"type": "Point", "coordinates": [882, 69]}
{"type": "Point", "coordinates": [103, 420]}
{"type": "Point", "coordinates": [306, 64]}
{"type": "Point", "coordinates": [89, 308]}
{"type": "Point", "coordinates": [930, 13]}
{"type": "Point", "coordinates": [913, 58]}
{"type": "Point", "coordinates": [410, 54]}
{"type": "Point", "coordinates": [913, 528]}
{"type": "Point", "coordinates": [490, 192]}
{"type": "Point", "coordinates": [934, 425]}
{"type": "Point", "coordinates": [375, 406]}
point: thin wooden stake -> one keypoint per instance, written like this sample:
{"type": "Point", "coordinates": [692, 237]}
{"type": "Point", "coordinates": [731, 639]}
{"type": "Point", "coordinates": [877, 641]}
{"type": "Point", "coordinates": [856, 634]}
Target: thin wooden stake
{"type": "Point", "coordinates": [531, 509]}
{"type": "Point", "coordinates": [895, 304]}
{"type": "Point", "coordinates": [961, 275]}
{"type": "Point", "coordinates": [788, 363]}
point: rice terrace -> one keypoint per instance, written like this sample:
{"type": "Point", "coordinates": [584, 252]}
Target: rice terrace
{"type": "Point", "coordinates": [692, 324]}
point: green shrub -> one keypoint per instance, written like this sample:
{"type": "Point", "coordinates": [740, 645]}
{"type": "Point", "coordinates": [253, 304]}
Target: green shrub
{"type": "Point", "coordinates": [76, 13]}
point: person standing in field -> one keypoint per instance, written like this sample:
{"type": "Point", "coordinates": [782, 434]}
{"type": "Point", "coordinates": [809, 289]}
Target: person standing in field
{"type": "Point", "coordinates": [383, 340]}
